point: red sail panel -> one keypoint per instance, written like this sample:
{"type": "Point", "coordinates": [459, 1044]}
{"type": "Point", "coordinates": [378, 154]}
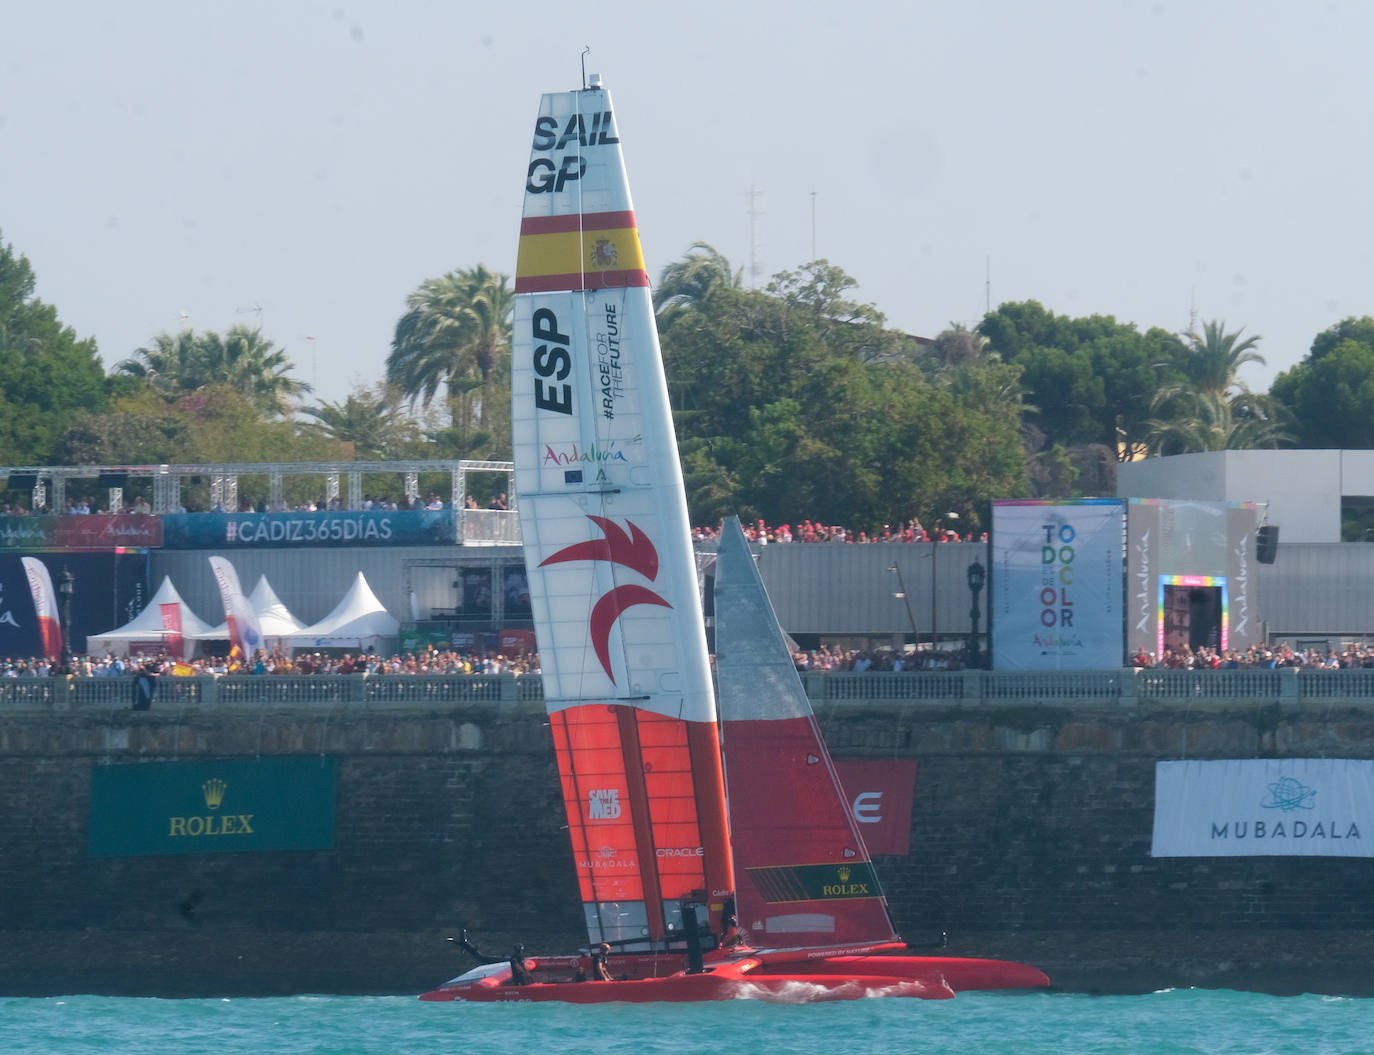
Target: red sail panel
{"type": "Point", "coordinates": [676, 829]}
{"type": "Point", "coordinates": [591, 763]}
{"type": "Point", "coordinates": [804, 875]}
{"type": "Point", "coordinates": [633, 782]}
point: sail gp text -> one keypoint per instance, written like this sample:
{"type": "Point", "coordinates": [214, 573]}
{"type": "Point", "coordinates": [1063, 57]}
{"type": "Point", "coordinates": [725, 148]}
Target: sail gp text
{"type": "Point", "coordinates": [547, 175]}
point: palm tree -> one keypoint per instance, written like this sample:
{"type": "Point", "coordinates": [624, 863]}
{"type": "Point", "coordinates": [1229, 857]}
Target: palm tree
{"type": "Point", "coordinates": [254, 366]}
{"type": "Point", "coordinates": [1201, 421]}
{"type": "Point", "coordinates": [456, 333]}
{"type": "Point", "coordinates": [242, 359]}
{"type": "Point", "coordinates": [170, 364]}
{"type": "Point", "coordinates": [691, 281]}
{"type": "Point", "coordinates": [959, 346]}
{"type": "Point", "coordinates": [1213, 409]}
{"type": "Point", "coordinates": [370, 420]}
{"type": "Point", "coordinates": [1213, 359]}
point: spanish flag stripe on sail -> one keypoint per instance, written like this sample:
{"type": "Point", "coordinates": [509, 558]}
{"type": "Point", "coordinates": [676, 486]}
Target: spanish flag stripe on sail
{"type": "Point", "coordinates": [577, 221]}
{"type": "Point", "coordinates": [579, 251]}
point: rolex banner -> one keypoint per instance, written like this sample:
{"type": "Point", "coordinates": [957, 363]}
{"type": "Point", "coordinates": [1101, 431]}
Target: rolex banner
{"type": "Point", "coordinates": [1057, 585]}
{"type": "Point", "coordinates": [212, 807]}
{"type": "Point", "coordinates": [1246, 807]}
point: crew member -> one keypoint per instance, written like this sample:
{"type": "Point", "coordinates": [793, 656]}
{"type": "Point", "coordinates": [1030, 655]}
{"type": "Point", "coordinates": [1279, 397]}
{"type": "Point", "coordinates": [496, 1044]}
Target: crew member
{"type": "Point", "coordinates": [729, 933]}
{"type": "Point", "coordinates": [519, 972]}
{"type": "Point", "coordinates": [600, 972]}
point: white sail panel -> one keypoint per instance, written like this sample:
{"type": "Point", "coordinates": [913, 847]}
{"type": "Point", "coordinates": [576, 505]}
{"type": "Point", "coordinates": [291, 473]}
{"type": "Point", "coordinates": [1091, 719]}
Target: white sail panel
{"type": "Point", "coordinates": [598, 484]}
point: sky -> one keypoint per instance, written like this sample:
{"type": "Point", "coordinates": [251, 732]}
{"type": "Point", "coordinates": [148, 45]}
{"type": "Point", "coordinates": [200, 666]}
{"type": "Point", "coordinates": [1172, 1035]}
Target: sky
{"type": "Point", "coordinates": [303, 166]}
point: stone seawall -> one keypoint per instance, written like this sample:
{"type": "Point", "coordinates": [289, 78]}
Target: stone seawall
{"type": "Point", "coordinates": [1030, 840]}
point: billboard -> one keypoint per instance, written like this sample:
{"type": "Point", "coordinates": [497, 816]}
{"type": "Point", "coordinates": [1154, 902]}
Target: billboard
{"type": "Point", "coordinates": [1190, 571]}
{"type": "Point", "coordinates": [221, 806]}
{"type": "Point", "coordinates": [1057, 585]}
{"type": "Point", "coordinates": [374, 527]}
{"type": "Point", "coordinates": [109, 589]}
{"type": "Point", "coordinates": [101, 531]}
{"type": "Point", "coordinates": [1264, 807]}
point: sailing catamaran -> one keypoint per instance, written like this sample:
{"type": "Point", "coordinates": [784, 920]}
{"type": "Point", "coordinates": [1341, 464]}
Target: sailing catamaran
{"type": "Point", "coordinates": [627, 675]}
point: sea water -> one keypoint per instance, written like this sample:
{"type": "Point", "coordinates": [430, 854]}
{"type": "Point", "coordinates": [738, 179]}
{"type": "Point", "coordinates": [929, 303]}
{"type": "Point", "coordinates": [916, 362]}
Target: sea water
{"type": "Point", "coordinates": [1172, 1022]}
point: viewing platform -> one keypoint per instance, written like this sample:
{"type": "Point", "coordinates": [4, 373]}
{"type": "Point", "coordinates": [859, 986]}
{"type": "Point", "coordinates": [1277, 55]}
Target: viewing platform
{"type": "Point", "coordinates": [1288, 687]}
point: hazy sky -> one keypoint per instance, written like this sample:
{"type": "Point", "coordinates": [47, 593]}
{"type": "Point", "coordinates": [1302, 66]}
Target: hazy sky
{"type": "Point", "coordinates": [305, 165]}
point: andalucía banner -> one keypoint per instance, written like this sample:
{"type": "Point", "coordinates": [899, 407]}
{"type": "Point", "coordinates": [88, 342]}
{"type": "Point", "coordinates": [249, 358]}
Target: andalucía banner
{"type": "Point", "coordinates": [1058, 585]}
{"type": "Point", "coordinates": [1246, 807]}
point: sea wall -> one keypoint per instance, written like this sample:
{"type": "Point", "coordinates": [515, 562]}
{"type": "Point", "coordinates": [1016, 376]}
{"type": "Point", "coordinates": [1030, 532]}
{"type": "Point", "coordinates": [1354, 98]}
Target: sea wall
{"type": "Point", "coordinates": [1030, 840]}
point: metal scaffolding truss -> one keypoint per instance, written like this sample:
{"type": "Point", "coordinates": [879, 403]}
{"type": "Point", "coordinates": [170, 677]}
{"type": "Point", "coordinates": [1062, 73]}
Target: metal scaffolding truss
{"type": "Point", "coordinates": [49, 483]}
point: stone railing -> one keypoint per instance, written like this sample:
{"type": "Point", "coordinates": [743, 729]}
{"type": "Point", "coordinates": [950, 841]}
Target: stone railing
{"type": "Point", "coordinates": [1288, 687]}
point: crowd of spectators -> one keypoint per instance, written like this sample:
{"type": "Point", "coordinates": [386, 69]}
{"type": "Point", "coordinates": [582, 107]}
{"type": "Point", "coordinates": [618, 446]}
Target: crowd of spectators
{"type": "Point", "coordinates": [858, 661]}
{"type": "Point", "coordinates": [806, 531]}
{"type": "Point", "coordinates": [825, 659]}
{"type": "Point", "coordinates": [139, 506]}
{"type": "Point", "coordinates": [429, 661]}
{"type": "Point", "coordinates": [1259, 657]}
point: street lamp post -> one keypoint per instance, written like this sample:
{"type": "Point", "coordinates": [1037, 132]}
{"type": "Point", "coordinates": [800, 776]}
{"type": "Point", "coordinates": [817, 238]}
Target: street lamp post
{"type": "Point", "coordinates": [66, 586]}
{"type": "Point", "coordinates": [977, 576]}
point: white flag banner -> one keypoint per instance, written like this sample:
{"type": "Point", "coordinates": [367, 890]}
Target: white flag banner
{"type": "Point", "coordinates": [45, 604]}
{"type": "Point", "coordinates": [1247, 807]}
{"type": "Point", "coordinates": [244, 632]}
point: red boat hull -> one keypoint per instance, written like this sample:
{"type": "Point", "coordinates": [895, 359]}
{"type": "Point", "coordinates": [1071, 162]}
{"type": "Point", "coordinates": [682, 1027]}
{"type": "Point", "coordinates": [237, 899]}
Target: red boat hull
{"type": "Point", "coordinates": [788, 979]}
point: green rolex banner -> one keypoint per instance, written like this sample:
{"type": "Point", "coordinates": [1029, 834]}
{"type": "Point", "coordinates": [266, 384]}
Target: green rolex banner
{"type": "Point", "coordinates": [224, 806]}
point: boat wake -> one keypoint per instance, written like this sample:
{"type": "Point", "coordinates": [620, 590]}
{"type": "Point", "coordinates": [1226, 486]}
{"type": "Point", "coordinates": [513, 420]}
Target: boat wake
{"type": "Point", "coordinates": [796, 991]}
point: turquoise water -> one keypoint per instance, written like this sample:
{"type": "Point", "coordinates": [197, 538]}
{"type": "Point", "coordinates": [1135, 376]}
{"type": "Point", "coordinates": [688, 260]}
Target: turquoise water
{"type": "Point", "coordinates": [1173, 1022]}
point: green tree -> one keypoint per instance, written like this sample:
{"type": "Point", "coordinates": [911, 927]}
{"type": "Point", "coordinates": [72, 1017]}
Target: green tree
{"type": "Point", "coordinates": [242, 359]}
{"type": "Point", "coordinates": [1360, 330]}
{"type": "Point", "coordinates": [1211, 408]}
{"type": "Point", "coordinates": [1212, 360]}
{"type": "Point", "coordinates": [456, 336]}
{"type": "Point", "coordinates": [1090, 381]}
{"type": "Point", "coordinates": [48, 378]}
{"type": "Point", "coordinates": [784, 411]}
{"type": "Point", "coordinates": [457, 329]}
{"type": "Point", "coordinates": [1205, 421]}
{"type": "Point", "coordinates": [1330, 394]}
{"type": "Point", "coordinates": [372, 421]}
{"type": "Point", "coordinates": [249, 363]}
{"type": "Point", "coordinates": [688, 283]}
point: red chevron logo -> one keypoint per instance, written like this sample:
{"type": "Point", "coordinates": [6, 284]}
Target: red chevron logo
{"type": "Point", "coordinates": [634, 551]}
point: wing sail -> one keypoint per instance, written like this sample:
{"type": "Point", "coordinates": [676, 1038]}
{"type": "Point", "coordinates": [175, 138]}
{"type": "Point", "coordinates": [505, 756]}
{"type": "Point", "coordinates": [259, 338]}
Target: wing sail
{"type": "Point", "coordinates": [603, 516]}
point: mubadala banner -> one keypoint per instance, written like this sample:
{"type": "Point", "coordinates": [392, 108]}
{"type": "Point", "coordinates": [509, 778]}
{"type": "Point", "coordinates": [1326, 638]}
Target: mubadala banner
{"type": "Point", "coordinates": [1246, 807]}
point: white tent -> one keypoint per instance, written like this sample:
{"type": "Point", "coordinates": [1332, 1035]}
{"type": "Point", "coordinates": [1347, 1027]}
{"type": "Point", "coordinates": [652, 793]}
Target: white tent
{"type": "Point", "coordinates": [359, 621]}
{"type": "Point", "coordinates": [149, 628]}
{"type": "Point", "coordinates": [274, 619]}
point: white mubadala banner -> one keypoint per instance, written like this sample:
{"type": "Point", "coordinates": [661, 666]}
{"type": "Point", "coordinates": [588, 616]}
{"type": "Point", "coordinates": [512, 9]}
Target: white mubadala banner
{"type": "Point", "coordinates": [1057, 586]}
{"type": "Point", "coordinates": [1246, 807]}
